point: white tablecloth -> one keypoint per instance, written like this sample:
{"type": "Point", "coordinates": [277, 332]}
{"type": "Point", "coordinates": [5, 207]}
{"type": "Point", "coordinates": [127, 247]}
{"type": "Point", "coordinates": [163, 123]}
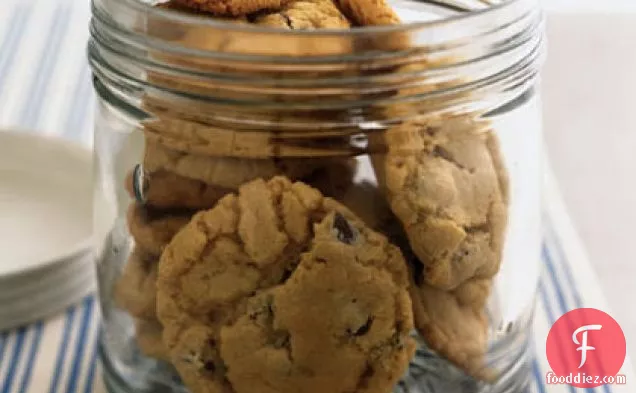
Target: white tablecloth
{"type": "Point", "coordinates": [45, 87]}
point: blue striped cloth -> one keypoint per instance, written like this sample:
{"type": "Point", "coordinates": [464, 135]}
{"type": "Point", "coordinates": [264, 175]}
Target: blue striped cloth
{"type": "Point", "coordinates": [45, 87]}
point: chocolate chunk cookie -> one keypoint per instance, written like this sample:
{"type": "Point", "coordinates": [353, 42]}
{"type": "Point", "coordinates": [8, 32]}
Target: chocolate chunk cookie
{"type": "Point", "coordinates": [136, 290]}
{"type": "Point", "coordinates": [198, 134]}
{"type": "Point", "coordinates": [445, 183]}
{"type": "Point", "coordinates": [148, 337]}
{"type": "Point", "coordinates": [174, 178]}
{"type": "Point", "coordinates": [304, 15]}
{"type": "Point", "coordinates": [289, 15]}
{"type": "Point", "coordinates": [223, 172]}
{"type": "Point", "coordinates": [455, 325]}
{"type": "Point", "coordinates": [281, 273]}
{"type": "Point", "coordinates": [178, 130]}
{"type": "Point", "coordinates": [152, 229]}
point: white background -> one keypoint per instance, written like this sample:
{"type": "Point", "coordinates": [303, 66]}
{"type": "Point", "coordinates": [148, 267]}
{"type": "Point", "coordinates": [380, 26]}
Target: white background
{"type": "Point", "coordinates": [589, 94]}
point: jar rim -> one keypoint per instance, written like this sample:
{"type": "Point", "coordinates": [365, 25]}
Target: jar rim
{"type": "Point", "coordinates": [493, 50]}
{"type": "Point", "coordinates": [492, 10]}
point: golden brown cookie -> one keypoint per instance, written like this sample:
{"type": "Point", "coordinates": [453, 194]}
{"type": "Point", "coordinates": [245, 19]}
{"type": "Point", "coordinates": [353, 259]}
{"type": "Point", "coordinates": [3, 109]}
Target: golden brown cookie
{"type": "Point", "coordinates": [454, 323]}
{"type": "Point", "coordinates": [148, 337]}
{"type": "Point", "coordinates": [152, 229]}
{"type": "Point", "coordinates": [135, 290]}
{"type": "Point", "coordinates": [305, 15]}
{"type": "Point", "coordinates": [232, 7]}
{"type": "Point", "coordinates": [200, 134]}
{"type": "Point", "coordinates": [283, 274]}
{"type": "Point", "coordinates": [166, 190]}
{"type": "Point", "coordinates": [191, 133]}
{"type": "Point", "coordinates": [176, 5]}
{"type": "Point", "coordinates": [224, 172]}
{"type": "Point", "coordinates": [368, 12]}
{"type": "Point", "coordinates": [442, 182]}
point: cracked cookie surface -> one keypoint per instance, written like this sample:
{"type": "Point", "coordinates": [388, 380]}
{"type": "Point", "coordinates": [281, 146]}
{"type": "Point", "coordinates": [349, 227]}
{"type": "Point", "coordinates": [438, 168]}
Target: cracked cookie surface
{"type": "Point", "coordinates": [304, 15]}
{"type": "Point", "coordinates": [445, 183]}
{"type": "Point", "coordinates": [238, 284]}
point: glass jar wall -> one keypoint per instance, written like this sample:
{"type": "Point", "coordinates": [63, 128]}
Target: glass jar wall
{"type": "Point", "coordinates": [350, 210]}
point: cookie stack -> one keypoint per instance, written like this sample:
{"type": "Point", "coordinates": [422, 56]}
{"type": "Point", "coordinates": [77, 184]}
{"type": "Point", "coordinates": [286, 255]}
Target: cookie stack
{"type": "Point", "coordinates": [165, 198]}
{"type": "Point", "coordinates": [254, 267]}
{"type": "Point", "coordinates": [135, 291]}
{"type": "Point", "coordinates": [444, 179]}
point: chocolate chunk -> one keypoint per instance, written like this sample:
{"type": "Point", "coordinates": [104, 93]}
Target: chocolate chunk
{"type": "Point", "coordinates": [344, 231]}
{"type": "Point", "coordinates": [364, 329]}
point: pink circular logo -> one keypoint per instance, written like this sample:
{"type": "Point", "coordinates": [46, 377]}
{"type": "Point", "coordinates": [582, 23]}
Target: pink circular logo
{"type": "Point", "coordinates": [585, 348]}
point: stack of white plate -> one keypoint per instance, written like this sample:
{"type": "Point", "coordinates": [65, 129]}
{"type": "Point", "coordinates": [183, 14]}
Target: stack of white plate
{"type": "Point", "coordinates": [46, 232]}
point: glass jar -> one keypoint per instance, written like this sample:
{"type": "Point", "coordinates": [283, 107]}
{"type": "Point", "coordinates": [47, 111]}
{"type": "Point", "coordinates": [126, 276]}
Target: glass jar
{"type": "Point", "coordinates": [397, 165]}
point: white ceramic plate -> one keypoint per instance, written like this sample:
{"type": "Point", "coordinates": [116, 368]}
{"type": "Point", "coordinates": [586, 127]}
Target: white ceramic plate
{"type": "Point", "coordinates": [47, 295]}
{"type": "Point", "coordinates": [45, 201]}
{"type": "Point", "coordinates": [46, 229]}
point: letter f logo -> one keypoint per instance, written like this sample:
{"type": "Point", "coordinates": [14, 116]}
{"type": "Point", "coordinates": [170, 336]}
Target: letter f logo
{"type": "Point", "coordinates": [584, 347]}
